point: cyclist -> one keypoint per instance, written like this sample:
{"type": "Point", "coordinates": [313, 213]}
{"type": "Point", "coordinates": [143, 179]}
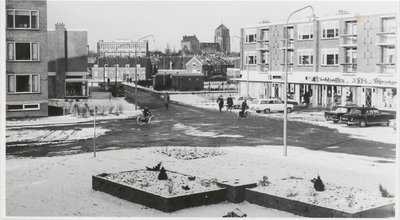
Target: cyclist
{"type": "Point", "coordinates": [244, 107]}
{"type": "Point", "coordinates": [146, 113]}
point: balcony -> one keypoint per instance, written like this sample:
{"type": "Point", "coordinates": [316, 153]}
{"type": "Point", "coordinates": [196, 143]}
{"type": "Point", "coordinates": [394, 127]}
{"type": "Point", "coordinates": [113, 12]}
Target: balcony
{"type": "Point", "coordinates": [290, 67]}
{"type": "Point", "coordinates": [386, 68]}
{"type": "Point", "coordinates": [385, 39]}
{"type": "Point", "coordinates": [349, 67]}
{"type": "Point", "coordinates": [264, 67]}
{"type": "Point", "coordinates": [282, 45]}
{"type": "Point", "coordinates": [263, 46]}
{"type": "Point", "coordinates": [348, 41]}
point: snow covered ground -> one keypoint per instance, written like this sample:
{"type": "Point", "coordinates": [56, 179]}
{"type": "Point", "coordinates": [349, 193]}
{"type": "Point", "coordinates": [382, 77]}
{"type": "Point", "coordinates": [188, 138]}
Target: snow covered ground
{"type": "Point", "coordinates": [61, 185]}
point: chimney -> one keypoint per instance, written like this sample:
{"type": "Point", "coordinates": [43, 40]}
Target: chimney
{"type": "Point", "coordinates": [60, 26]}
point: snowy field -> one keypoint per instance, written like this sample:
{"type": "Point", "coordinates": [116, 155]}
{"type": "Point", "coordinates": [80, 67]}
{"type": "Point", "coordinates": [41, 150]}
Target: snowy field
{"type": "Point", "coordinates": [61, 185]}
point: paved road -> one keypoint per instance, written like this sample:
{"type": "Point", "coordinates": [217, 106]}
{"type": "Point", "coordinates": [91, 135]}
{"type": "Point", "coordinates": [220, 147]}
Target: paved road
{"type": "Point", "coordinates": [182, 125]}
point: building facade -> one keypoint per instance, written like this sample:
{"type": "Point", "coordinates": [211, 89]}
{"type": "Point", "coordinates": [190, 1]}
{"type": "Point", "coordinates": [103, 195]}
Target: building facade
{"type": "Point", "coordinates": [190, 43]}
{"type": "Point", "coordinates": [343, 58]}
{"type": "Point", "coordinates": [223, 38]}
{"type": "Point", "coordinates": [68, 61]}
{"type": "Point", "coordinates": [209, 67]}
{"type": "Point", "coordinates": [26, 58]}
{"type": "Point", "coordinates": [122, 48]}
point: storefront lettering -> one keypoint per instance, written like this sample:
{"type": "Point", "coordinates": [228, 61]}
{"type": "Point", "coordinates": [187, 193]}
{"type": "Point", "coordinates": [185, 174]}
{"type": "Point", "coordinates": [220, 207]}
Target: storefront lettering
{"type": "Point", "coordinates": [360, 80]}
{"type": "Point", "coordinates": [328, 79]}
{"type": "Point", "coordinates": [384, 82]}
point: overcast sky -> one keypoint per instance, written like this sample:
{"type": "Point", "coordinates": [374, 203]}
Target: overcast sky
{"type": "Point", "coordinates": [168, 21]}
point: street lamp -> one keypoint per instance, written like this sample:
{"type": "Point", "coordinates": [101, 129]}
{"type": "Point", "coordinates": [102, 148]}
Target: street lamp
{"type": "Point", "coordinates": [247, 61]}
{"type": "Point", "coordinates": [286, 79]}
{"type": "Point", "coordinates": [136, 45]}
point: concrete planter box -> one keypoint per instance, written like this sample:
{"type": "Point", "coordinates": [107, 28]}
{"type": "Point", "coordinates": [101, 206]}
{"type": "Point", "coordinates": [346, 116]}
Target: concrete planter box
{"type": "Point", "coordinates": [310, 210]}
{"type": "Point", "coordinates": [165, 204]}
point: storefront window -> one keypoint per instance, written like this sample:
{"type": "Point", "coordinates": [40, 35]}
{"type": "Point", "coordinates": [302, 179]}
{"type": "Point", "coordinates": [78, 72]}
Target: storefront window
{"type": "Point", "coordinates": [390, 98]}
{"type": "Point", "coordinates": [76, 89]}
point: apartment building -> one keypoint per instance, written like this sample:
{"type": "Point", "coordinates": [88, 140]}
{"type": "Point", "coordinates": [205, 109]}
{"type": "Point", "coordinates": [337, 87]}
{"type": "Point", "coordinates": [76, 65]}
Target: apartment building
{"type": "Point", "coordinates": [342, 58]}
{"type": "Point", "coordinates": [122, 48]}
{"type": "Point", "coordinates": [26, 58]}
{"type": "Point", "coordinates": [68, 61]}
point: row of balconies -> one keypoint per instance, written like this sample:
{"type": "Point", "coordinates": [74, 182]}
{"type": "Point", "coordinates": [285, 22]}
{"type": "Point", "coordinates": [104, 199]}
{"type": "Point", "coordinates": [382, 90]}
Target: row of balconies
{"type": "Point", "coordinates": [381, 39]}
{"type": "Point", "coordinates": [383, 68]}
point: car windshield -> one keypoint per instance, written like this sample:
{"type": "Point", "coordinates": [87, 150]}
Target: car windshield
{"type": "Point", "coordinates": [341, 110]}
{"type": "Point", "coordinates": [255, 101]}
{"type": "Point", "coordinates": [278, 102]}
{"type": "Point", "coordinates": [355, 111]}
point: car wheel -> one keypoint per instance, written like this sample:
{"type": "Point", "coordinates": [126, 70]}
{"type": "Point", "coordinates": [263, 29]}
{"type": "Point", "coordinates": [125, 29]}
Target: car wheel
{"type": "Point", "coordinates": [363, 123]}
{"type": "Point", "coordinates": [258, 111]}
{"type": "Point", "coordinates": [349, 124]}
{"type": "Point", "coordinates": [267, 111]}
{"type": "Point", "coordinates": [335, 121]}
{"type": "Point", "coordinates": [289, 110]}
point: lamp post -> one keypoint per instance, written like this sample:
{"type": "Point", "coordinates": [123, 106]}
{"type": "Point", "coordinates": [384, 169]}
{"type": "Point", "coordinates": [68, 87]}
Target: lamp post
{"type": "Point", "coordinates": [286, 79]}
{"type": "Point", "coordinates": [247, 60]}
{"type": "Point", "coordinates": [136, 45]}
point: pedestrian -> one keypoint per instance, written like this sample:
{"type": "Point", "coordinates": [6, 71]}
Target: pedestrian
{"type": "Point", "coordinates": [130, 80]}
{"type": "Point", "coordinates": [220, 101]}
{"type": "Point", "coordinates": [229, 101]}
{"type": "Point", "coordinates": [166, 100]}
{"type": "Point", "coordinates": [244, 107]}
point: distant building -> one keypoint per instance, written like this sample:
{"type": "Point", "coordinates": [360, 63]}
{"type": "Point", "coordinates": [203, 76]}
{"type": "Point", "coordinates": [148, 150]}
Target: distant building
{"type": "Point", "coordinates": [190, 43]}
{"type": "Point", "coordinates": [210, 67]}
{"type": "Point", "coordinates": [122, 48]}
{"type": "Point", "coordinates": [68, 63]}
{"type": "Point", "coordinates": [26, 58]}
{"type": "Point", "coordinates": [222, 38]}
{"type": "Point", "coordinates": [209, 48]}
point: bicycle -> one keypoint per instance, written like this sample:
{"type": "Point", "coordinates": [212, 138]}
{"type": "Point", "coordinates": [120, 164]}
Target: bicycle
{"type": "Point", "coordinates": [246, 115]}
{"type": "Point", "coordinates": [141, 120]}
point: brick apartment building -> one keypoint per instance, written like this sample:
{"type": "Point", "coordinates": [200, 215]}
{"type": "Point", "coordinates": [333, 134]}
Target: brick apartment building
{"type": "Point", "coordinates": [26, 58]}
{"type": "Point", "coordinates": [338, 58]}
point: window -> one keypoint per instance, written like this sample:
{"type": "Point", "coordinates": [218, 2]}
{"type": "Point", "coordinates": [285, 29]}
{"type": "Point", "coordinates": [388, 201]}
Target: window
{"type": "Point", "coordinates": [28, 83]}
{"type": "Point", "coordinates": [22, 107]}
{"type": "Point", "coordinates": [330, 56]}
{"type": "Point", "coordinates": [305, 57]}
{"type": "Point", "coordinates": [388, 25]}
{"type": "Point", "coordinates": [290, 32]}
{"type": "Point", "coordinates": [305, 31]}
{"type": "Point", "coordinates": [23, 51]}
{"type": "Point", "coordinates": [264, 34]}
{"type": "Point", "coordinates": [251, 35]}
{"type": "Point", "coordinates": [351, 56]}
{"type": "Point", "coordinates": [330, 29]}
{"type": "Point", "coordinates": [251, 57]}
{"type": "Point", "coordinates": [23, 19]}
{"type": "Point", "coordinates": [265, 58]}
{"type": "Point", "coordinates": [76, 89]}
{"type": "Point", "coordinates": [388, 55]}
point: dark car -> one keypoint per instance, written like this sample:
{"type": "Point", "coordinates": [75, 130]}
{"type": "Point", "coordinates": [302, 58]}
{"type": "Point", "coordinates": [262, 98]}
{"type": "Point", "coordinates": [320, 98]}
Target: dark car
{"type": "Point", "coordinates": [119, 92]}
{"type": "Point", "coordinates": [337, 114]}
{"type": "Point", "coordinates": [364, 116]}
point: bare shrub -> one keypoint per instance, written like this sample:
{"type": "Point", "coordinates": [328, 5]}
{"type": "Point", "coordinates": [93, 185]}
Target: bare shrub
{"type": "Point", "coordinates": [384, 192]}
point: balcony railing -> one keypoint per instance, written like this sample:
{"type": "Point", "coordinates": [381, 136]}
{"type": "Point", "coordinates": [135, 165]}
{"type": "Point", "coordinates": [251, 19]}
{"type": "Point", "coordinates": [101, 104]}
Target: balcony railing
{"type": "Point", "coordinates": [385, 40]}
{"type": "Point", "coordinates": [290, 67]}
{"type": "Point", "coordinates": [264, 67]}
{"type": "Point", "coordinates": [282, 45]}
{"type": "Point", "coordinates": [386, 68]}
{"type": "Point", "coordinates": [349, 67]}
{"type": "Point", "coordinates": [348, 41]}
{"type": "Point", "coordinates": [263, 46]}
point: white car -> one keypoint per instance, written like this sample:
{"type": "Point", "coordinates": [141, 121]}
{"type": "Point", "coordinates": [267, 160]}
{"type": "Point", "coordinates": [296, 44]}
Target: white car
{"type": "Point", "coordinates": [238, 100]}
{"type": "Point", "coordinates": [269, 105]}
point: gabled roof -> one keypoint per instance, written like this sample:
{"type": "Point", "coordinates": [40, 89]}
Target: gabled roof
{"type": "Point", "coordinates": [222, 27]}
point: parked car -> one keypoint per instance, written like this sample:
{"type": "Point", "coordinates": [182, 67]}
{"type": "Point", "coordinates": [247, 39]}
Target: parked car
{"type": "Point", "coordinates": [269, 105]}
{"type": "Point", "coordinates": [392, 123]}
{"type": "Point", "coordinates": [238, 100]}
{"type": "Point", "coordinates": [337, 114]}
{"type": "Point", "coordinates": [364, 116]}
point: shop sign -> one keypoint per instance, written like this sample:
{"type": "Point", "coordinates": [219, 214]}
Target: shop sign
{"type": "Point", "coordinates": [331, 80]}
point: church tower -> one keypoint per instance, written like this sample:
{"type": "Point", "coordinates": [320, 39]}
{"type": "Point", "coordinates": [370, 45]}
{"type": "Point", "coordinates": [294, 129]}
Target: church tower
{"type": "Point", "coordinates": [222, 38]}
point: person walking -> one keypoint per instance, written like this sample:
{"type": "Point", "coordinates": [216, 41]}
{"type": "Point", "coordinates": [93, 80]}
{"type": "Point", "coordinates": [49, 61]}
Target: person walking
{"type": "Point", "coordinates": [244, 107]}
{"type": "Point", "coordinates": [220, 101]}
{"type": "Point", "coordinates": [229, 101]}
{"type": "Point", "coordinates": [166, 100]}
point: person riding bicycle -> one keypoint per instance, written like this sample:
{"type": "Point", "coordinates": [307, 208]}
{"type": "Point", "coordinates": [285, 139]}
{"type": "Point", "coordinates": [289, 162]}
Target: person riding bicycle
{"type": "Point", "coordinates": [244, 107]}
{"type": "Point", "coordinates": [146, 113]}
